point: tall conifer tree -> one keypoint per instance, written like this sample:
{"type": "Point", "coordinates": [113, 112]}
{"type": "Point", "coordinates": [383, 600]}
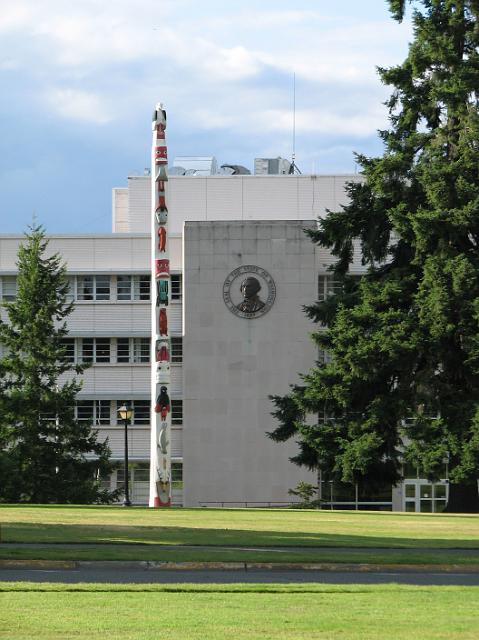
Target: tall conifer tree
{"type": "Point", "coordinates": [46, 452]}
{"type": "Point", "coordinates": [404, 378]}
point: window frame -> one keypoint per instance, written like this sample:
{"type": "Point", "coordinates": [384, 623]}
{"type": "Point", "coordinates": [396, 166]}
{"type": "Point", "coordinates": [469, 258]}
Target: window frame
{"type": "Point", "coordinates": [176, 351]}
{"type": "Point", "coordinates": [138, 350]}
{"type": "Point", "coordinates": [176, 411]}
{"type": "Point", "coordinates": [100, 412]}
{"type": "Point", "coordinates": [94, 351]}
{"type": "Point", "coordinates": [176, 287]}
{"type": "Point", "coordinates": [96, 288]}
{"type": "Point", "coordinates": [10, 297]}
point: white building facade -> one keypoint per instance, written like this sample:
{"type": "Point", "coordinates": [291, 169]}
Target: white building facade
{"type": "Point", "coordinates": [224, 365]}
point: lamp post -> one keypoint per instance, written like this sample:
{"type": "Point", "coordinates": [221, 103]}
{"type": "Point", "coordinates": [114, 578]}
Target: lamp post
{"type": "Point", "coordinates": [125, 413]}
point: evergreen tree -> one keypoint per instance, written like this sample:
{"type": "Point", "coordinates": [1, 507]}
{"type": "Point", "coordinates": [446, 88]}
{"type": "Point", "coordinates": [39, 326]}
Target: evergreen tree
{"type": "Point", "coordinates": [44, 448]}
{"type": "Point", "coordinates": [403, 382]}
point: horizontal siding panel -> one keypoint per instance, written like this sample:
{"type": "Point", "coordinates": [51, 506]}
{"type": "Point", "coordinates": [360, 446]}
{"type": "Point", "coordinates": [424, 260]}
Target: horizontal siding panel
{"type": "Point", "coordinates": [140, 492]}
{"type": "Point", "coordinates": [110, 319]}
{"type": "Point", "coordinates": [270, 198]}
{"type": "Point", "coordinates": [114, 381]}
{"type": "Point", "coordinates": [139, 203]}
{"type": "Point", "coordinates": [176, 253]}
{"type": "Point", "coordinates": [177, 443]}
{"type": "Point", "coordinates": [138, 442]}
{"type": "Point", "coordinates": [224, 198]}
{"type": "Point", "coordinates": [141, 253]}
{"type": "Point", "coordinates": [119, 197]}
{"type": "Point", "coordinates": [176, 380]}
{"type": "Point", "coordinates": [306, 203]}
{"type": "Point", "coordinates": [356, 266]}
{"type": "Point", "coordinates": [103, 254]}
{"type": "Point", "coordinates": [186, 201]}
{"type": "Point", "coordinates": [325, 195]}
{"type": "Point", "coordinates": [8, 253]}
{"type": "Point", "coordinates": [176, 319]}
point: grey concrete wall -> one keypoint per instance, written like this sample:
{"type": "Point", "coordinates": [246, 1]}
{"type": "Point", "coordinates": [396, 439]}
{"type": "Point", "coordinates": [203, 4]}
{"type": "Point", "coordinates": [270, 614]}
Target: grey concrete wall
{"type": "Point", "coordinates": [232, 364]}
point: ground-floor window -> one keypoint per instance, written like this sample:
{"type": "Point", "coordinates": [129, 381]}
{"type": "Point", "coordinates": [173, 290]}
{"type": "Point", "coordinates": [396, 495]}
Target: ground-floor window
{"type": "Point", "coordinates": [342, 495]}
{"type": "Point", "coordinates": [425, 497]}
{"type": "Point", "coordinates": [139, 481]}
{"type": "Point", "coordinates": [422, 495]}
{"type": "Point", "coordinates": [177, 476]}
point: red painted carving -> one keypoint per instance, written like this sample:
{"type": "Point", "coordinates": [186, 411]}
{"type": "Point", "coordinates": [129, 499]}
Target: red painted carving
{"type": "Point", "coordinates": [163, 323]}
{"type": "Point", "coordinates": [162, 239]}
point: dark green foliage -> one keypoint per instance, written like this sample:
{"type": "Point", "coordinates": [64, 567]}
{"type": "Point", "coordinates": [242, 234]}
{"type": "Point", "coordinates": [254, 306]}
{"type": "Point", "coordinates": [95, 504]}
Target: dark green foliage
{"type": "Point", "coordinates": [44, 448]}
{"type": "Point", "coordinates": [405, 341]}
{"type": "Point", "coordinates": [305, 492]}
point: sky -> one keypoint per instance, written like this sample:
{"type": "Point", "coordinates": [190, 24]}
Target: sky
{"type": "Point", "coordinates": [80, 80]}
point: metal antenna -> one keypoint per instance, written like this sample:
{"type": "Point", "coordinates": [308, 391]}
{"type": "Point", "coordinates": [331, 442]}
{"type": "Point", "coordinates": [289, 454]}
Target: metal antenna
{"type": "Point", "coordinates": [294, 117]}
{"type": "Point", "coordinates": [294, 168]}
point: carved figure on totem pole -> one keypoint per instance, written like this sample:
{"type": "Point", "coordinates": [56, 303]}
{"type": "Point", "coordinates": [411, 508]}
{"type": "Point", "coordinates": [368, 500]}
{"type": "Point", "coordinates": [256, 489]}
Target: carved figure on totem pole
{"type": "Point", "coordinates": [162, 239]}
{"type": "Point", "coordinates": [162, 292]}
{"type": "Point", "coordinates": [163, 403]}
{"type": "Point", "coordinates": [163, 323]}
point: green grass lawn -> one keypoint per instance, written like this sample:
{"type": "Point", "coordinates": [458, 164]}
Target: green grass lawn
{"type": "Point", "coordinates": [294, 532]}
{"type": "Point", "coordinates": [210, 612]}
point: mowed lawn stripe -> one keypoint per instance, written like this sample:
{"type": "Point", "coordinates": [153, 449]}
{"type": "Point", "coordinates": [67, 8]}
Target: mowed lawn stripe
{"type": "Point", "coordinates": [242, 527]}
{"type": "Point", "coordinates": [240, 611]}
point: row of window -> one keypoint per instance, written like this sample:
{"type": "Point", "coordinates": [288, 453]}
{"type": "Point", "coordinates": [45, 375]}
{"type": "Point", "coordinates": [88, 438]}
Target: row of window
{"type": "Point", "coordinates": [104, 412]}
{"type": "Point", "coordinates": [140, 472]}
{"type": "Point", "coordinates": [330, 286]}
{"type": "Point", "coordinates": [116, 350]}
{"type": "Point", "coordinates": [137, 287]}
{"type": "Point", "coordinates": [101, 288]}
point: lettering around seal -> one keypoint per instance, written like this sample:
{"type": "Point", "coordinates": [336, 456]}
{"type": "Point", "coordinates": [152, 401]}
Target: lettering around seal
{"type": "Point", "coordinates": [249, 291]}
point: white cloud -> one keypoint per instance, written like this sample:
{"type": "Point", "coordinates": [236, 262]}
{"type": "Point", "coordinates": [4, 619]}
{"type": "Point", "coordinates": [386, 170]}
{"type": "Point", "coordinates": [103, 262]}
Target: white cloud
{"type": "Point", "coordinates": [217, 67]}
{"type": "Point", "coordinates": [73, 104]}
{"type": "Point", "coordinates": [308, 121]}
{"type": "Point", "coordinates": [13, 17]}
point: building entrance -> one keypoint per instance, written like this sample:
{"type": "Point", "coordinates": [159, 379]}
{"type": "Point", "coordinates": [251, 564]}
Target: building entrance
{"type": "Point", "coordinates": [425, 497]}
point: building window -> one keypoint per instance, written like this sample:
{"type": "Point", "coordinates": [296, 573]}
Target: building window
{"type": "Point", "coordinates": [177, 475]}
{"type": "Point", "coordinates": [141, 472]}
{"type": "Point", "coordinates": [123, 288]}
{"type": "Point", "coordinates": [123, 350]}
{"type": "Point", "coordinates": [68, 345]}
{"type": "Point", "coordinates": [141, 410]}
{"type": "Point", "coordinates": [85, 287]}
{"type": "Point", "coordinates": [328, 286]}
{"type": "Point", "coordinates": [141, 287]}
{"type": "Point", "coordinates": [177, 412]}
{"type": "Point", "coordinates": [176, 350]}
{"type": "Point", "coordinates": [95, 350]}
{"type": "Point", "coordinates": [324, 357]}
{"type": "Point", "coordinates": [50, 417]}
{"type": "Point", "coordinates": [176, 288]}
{"type": "Point", "coordinates": [95, 412]}
{"type": "Point", "coordinates": [133, 350]}
{"type": "Point", "coordinates": [102, 287]}
{"type": "Point", "coordinates": [93, 287]}
{"type": "Point", "coordinates": [133, 287]}
{"type": "Point", "coordinates": [70, 294]}
{"type": "Point", "coordinates": [8, 288]}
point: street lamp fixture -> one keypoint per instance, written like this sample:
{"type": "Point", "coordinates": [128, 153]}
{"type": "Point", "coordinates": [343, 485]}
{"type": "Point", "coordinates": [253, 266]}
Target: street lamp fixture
{"type": "Point", "coordinates": [125, 413]}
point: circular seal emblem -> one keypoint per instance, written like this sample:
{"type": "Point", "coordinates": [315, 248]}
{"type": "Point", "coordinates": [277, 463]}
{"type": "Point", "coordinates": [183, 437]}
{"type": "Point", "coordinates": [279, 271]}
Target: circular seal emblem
{"type": "Point", "coordinates": [249, 291]}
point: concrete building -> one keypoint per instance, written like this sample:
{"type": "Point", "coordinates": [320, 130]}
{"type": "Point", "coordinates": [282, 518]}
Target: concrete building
{"type": "Point", "coordinates": [225, 364]}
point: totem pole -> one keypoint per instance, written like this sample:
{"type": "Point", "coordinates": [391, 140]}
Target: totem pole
{"type": "Point", "coordinates": [160, 456]}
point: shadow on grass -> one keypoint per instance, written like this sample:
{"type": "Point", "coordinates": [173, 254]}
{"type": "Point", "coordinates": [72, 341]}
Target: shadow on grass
{"type": "Point", "coordinates": [206, 537]}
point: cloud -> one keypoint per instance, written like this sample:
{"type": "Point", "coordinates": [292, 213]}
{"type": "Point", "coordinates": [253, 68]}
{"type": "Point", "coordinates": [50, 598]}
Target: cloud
{"type": "Point", "coordinates": [224, 71]}
{"type": "Point", "coordinates": [13, 17]}
{"type": "Point", "coordinates": [73, 104]}
{"type": "Point", "coordinates": [308, 121]}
